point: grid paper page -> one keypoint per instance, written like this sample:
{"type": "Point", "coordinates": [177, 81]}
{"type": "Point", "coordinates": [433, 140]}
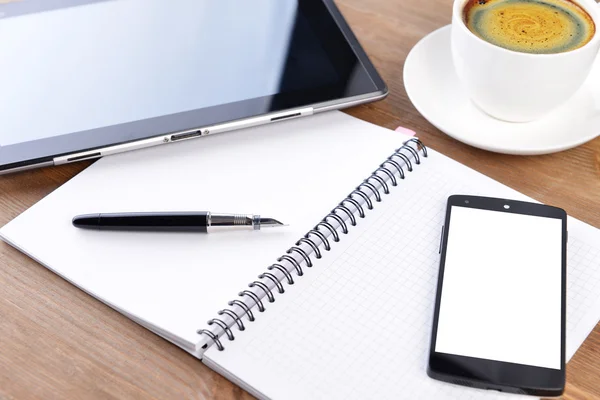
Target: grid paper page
{"type": "Point", "coordinates": [358, 324]}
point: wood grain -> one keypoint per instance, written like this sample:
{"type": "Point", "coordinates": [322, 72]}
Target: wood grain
{"type": "Point", "coordinates": [58, 343]}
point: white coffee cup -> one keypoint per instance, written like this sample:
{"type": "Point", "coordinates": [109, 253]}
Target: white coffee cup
{"type": "Point", "coordinates": [519, 87]}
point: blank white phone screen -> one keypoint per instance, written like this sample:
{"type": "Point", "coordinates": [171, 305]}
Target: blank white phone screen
{"type": "Point", "coordinates": [501, 290]}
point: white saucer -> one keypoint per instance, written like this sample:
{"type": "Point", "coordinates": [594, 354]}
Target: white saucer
{"type": "Point", "coordinates": [434, 89]}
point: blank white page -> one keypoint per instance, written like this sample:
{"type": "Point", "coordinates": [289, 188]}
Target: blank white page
{"type": "Point", "coordinates": [174, 283]}
{"type": "Point", "coordinates": [358, 324]}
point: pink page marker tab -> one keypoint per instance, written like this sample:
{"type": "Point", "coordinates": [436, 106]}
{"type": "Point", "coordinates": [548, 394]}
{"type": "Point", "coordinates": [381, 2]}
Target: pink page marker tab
{"type": "Point", "coordinates": [405, 131]}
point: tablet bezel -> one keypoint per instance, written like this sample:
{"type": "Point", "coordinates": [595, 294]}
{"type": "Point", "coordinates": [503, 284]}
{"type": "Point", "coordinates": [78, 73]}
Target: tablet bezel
{"type": "Point", "coordinates": [490, 374]}
{"type": "Point", "coordinates": [360, 85]}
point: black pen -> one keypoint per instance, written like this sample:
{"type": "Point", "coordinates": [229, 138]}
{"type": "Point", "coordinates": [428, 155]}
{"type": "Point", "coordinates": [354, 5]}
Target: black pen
{"type": "Point", "coordinates": [202, 222]}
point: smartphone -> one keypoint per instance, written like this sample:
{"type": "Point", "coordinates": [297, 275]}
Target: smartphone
{"type": "Point", "coordinates": [500, 308]}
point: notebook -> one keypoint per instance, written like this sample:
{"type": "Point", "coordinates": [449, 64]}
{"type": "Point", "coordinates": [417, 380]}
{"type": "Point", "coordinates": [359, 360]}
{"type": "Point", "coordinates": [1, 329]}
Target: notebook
{"type": "Point", "coordinates": [276, 312]}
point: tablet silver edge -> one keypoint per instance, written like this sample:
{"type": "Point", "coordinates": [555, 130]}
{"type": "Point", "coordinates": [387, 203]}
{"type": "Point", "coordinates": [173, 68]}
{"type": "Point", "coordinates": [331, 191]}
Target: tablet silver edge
{"type": "Point", "coordinates": [204, 131]}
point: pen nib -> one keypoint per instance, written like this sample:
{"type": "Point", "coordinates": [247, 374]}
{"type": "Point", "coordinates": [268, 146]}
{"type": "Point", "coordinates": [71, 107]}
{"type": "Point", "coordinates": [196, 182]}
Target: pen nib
{"type": "Point", "coordinates": [269, 223]}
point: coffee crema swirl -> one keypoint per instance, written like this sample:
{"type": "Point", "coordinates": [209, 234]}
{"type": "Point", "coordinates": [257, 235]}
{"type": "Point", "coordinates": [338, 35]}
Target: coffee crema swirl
{"type": "Point", "coordinates": [530, 26]}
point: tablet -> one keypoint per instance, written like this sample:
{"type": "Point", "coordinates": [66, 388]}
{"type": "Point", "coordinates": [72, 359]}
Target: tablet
{"type": "Point", "coordinates": [89, 78]}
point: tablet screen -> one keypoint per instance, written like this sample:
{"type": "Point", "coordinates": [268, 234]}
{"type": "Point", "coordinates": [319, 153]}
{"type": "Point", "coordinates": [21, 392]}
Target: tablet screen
{"type": "Point", "coordinates": [80, 65]}
{"type": "Point", "coordinates": [501, 290]}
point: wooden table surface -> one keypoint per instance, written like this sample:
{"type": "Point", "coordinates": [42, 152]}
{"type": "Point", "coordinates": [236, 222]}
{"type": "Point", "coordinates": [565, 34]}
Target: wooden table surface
{"type": "Point", "coordinates": [57, 342]}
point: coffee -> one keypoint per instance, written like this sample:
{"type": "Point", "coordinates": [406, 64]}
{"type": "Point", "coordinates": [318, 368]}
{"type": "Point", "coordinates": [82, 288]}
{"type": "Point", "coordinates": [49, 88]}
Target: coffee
{"type": "Point", "coordinates": [530, 26]}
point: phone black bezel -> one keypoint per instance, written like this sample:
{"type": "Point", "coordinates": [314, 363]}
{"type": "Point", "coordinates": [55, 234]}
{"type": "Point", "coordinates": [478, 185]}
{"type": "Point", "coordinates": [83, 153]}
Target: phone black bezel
{"type": "Point", "coordinates": [489, 374]}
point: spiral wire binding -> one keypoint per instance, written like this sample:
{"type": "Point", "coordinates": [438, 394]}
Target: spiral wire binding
{"type": "Point", "coordinates": [265, 288]}
{"type": "Point", "coordinates": [254, 296]}
{"type": "Point", "coordinates": [316, 240]}
{"type": "Point", "coordinates": [347, 211]}
{"type": "Point", "coordinates": [244, 307]}
{"type": "Point", "coordinates": [340, 221]}
{"type": "Point", "coordinates": [319, 234]}
{"type": "Point", "coordinates": [406, 160]}
{"type": "Point", "coordinates": [361, 211]}
{"type": "Point", "coordinates": [389, 175]}
{"type": "Point", "coordinates": [283, 270]}
{"type": "Point", "coordinates": [395, 165]}
{"type": "Point", "coordinates": [294, 262]}
{"type": "Point", "coordinates": [312, 246]}
{"type": "Point", "coordinates": [302, 253]}
{"type": "Point", "coordinates": [233, 316]}
{"type": "Point", "coordinates": [325, 224]}
{"type": "Point", "coordinates": [364, 196]}
{"type": "Point", "coordinates": [273, 278]}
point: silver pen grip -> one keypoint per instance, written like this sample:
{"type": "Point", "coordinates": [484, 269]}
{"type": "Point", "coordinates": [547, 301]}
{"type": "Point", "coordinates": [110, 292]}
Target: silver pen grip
{"type": "Point", "coordinates": [226, 222]}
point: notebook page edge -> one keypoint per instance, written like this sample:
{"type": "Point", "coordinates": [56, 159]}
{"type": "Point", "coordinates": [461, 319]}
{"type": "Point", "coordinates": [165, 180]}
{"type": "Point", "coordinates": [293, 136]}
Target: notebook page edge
{"type": "Point", "coordinates": [207, 360]}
